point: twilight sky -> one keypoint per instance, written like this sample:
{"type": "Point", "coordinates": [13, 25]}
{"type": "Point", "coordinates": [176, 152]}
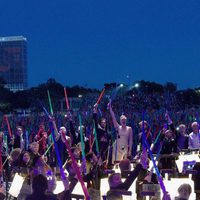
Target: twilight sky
{"type": "Point", "coordinates": [96, 41]}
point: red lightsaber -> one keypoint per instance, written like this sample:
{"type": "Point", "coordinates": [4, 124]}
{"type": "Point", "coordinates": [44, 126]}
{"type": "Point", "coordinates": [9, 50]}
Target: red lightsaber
{"type": "Point", "coordinates": [8, 124]}
{"type": "Point", "coordinates": [101, 95]}
{"type": "Point", "coordinates": [66, 98]}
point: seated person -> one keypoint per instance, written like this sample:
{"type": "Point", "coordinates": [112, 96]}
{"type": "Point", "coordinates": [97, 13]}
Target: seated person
{"type": "Point", "coordinates": [39, 166]}
{"type": "Point", "coordinates": [196, 179]}
{"type": "Point", "coordinates": [43, 189]}
{"type": "Point", "coordinates": [125, 167]}
{"type": "Point", "coordinates": [40, 186]}
{"type": "Point", "coordinates": [65, 195]}
{"type": "Point", "coordinates": [24, 162]}
{"type": "Point", "coordinates": [113, 196]}
{"type": "Point", "coordinates": [115, 181]}
{"type": "Point", "coordinates": [184, 192]}
{"type": "Point", "coordinates": [145, 176]}
{"type": "Point", "coordinates": [72, 175]}
{"type": "Point", "coordinates": [33, 151]}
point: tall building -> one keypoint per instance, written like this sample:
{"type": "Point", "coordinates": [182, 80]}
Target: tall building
{"type": "Point", "coordinates": [13, 62]}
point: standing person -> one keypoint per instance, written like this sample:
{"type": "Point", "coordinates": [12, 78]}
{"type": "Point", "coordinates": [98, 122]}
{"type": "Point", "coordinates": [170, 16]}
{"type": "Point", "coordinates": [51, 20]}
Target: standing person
{"type": "Point", "coordinates": [18, 140]}
{"type": "Point", "coordinates": [103, 136]}
{"type": "Point", "coordinates": [182, 137]}
{"type": "Point", "coordinates": [168, 141]}
{"type": "Point", "coordinates": [168, 146]}
{"type": "Point", "coordinates": [148, 134]}
{"type": "Point", "coordinates": [41, 138]}
{"type": "Point", "coordinates": [61, 143]}
{"type": "Point", "coordinates": [194, 137]}
{"type": "Point", "coordinates": [122, 146]}
{"type": "Point", "coordinates": [76, 136]}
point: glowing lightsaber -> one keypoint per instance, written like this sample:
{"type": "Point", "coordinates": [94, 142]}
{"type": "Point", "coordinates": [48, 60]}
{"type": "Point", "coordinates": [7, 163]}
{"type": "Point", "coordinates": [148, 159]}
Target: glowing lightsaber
{"type": "Point", "coordinates": [50, 104]}
{"type": "Point", "coordinates": [145, 143]}
{"type": "Point", "coordinates": [101, 95]}
{"type": "Point", "coordinates": [96, 140]}
{"type": "Point", "coordinates": [75, 165]}
{"type": "Point", "coordinates": [82, 145]}
{"type": "Point", "coordinates": [57, 152]}
{"type": "Point", "coordinates": [52, 128]}
{"type": "Point", "coordinates": [45, 153]}
{"type": "Point", "coordinates": [8, 125]}
{"type": "Point", "coordinates": [66, 99]}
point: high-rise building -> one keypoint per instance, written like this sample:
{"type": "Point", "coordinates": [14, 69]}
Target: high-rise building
{"type": "Point", "coordinates": [13, 62]}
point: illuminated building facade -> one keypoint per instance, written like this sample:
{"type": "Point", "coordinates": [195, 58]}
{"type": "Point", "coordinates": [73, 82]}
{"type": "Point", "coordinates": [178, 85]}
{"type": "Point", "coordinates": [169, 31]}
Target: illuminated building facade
{"type": "Point", "coordinates": [13, 62]}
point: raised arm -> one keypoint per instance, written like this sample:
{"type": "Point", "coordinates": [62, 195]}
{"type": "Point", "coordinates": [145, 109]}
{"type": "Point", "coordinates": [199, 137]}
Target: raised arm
{"type": "Point", "coordinates": [134, 173]}
{"type": "Point", "coordinates": [95, 115]}
{"type": "Point", "coordinates": [168, 118]}
{"type": "Point", "coordinates": [72, 129]}
{"type": "Point", "coordinates": [115, 123]}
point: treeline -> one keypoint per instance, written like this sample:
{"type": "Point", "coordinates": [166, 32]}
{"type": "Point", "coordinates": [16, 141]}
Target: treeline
{"type": "Point", "coordinates": [29, 99]}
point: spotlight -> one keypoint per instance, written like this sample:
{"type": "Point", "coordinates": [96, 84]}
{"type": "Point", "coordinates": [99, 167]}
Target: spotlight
{"type": "Point", "coordinates": [136, 85]}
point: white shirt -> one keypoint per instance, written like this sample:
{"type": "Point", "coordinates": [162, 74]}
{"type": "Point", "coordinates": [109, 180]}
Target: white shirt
{"type": "Point", "coordinates": [194, 141]}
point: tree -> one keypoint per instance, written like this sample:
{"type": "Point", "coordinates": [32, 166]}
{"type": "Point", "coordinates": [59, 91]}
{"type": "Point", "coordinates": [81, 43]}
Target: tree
{"type": "Point", "coordinates": [170, 87]}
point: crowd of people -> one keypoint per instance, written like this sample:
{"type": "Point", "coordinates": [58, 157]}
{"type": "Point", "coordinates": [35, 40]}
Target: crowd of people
{"type": "Point", "coordinates": [123, 130]}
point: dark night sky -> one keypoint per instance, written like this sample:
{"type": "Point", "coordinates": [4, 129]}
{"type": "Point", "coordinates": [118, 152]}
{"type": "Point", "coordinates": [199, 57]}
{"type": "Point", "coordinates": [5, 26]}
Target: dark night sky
{"type": "Point", "coordinates": [96, 41]}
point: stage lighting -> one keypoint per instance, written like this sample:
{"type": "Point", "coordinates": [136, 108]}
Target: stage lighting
{"type": "Point", "coordinates": [136, 85]}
